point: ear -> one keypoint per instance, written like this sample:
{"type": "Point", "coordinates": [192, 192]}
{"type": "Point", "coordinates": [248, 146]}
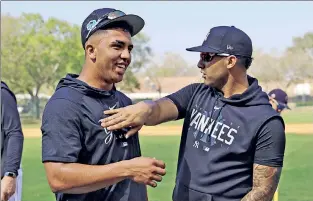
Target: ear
{"type": "Point", "coordinates": [231, 61]}
{"type": "Point", "coordinates": [91, 52]}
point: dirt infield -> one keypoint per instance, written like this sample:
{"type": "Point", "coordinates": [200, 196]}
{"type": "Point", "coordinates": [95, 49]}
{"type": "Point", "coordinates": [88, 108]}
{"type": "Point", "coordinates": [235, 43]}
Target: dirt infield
{"type": "Point", "coordinates": [176, 130]}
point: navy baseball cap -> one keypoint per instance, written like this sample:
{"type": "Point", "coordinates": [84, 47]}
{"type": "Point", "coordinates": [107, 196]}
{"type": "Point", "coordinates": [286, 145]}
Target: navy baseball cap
{"type": "Point", "coordinates": [226, 39]}
{"type": "Point", "coordinates": [103, 17]}
{"type": "Point", "coordinates": [280, 96]}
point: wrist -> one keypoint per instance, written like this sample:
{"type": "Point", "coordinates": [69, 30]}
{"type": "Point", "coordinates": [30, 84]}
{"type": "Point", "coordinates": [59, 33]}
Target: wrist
{"type": "Point", "coordinates": [126, 169]}
{"type": "Point", "coordinates": [147, 105]}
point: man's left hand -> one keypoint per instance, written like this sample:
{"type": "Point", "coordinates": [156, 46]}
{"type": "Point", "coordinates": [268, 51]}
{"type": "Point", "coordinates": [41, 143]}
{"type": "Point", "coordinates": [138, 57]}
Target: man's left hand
{"type": "Point", "coordinates": [8, 185]}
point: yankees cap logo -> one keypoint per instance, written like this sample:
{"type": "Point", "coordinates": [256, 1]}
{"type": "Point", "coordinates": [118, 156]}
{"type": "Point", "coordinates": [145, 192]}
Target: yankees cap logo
{"type": "Point", "coordinates": [91, 24]}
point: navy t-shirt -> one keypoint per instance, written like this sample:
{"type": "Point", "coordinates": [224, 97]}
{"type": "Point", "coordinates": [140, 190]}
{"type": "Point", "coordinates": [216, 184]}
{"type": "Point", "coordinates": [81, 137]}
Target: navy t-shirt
{"type": "Point", "coordinates": [222, 139]}
{"type": "Point", "coordinates": [71, 133]}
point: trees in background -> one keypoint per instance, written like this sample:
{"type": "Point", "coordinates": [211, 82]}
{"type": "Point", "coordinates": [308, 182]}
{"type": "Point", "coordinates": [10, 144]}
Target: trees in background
{"type": "Point", "coordinates": [170, 65]}
{"type": "Point", "coordinates": [295, 65]}
{"type": "Point", "coordinates": [36, 53]}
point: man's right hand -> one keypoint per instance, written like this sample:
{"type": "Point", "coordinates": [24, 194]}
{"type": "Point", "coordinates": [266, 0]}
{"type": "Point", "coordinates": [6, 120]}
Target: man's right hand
{"type": "Point", "coordinates": [133, 116]}
{"type": "Point", "coordinates": [8, 185]}
{"type": "Point", "coordinates": [145, 170]}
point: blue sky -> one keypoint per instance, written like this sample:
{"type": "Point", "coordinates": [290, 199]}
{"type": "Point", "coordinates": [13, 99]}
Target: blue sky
{"type": "Point", "coordinates": [174, 26]}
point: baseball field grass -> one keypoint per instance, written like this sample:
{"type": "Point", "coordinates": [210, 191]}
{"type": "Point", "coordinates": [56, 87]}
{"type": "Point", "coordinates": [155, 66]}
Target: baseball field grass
{"type": "Point", "coordinates": [296, 181]}
{"type": "Point", "coordinates": [299, 115]}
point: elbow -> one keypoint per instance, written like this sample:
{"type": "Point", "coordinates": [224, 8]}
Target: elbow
{"type": "Point", "coordinates": [56, 186]}
{"type": "Point", "coordinates": [57, 179]}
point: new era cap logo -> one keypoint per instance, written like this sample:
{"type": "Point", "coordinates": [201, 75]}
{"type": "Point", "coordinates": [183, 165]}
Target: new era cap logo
{"type": "Point", "coordinates": [229, 47]}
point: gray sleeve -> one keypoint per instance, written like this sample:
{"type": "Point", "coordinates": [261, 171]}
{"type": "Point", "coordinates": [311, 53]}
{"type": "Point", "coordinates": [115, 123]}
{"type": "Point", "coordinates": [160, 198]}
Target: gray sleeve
{"type": "Point", "coordinates": [13, 134]}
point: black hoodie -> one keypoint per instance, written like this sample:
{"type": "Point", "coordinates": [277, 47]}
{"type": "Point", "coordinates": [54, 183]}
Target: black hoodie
{"type": "Point", "coordinates": [71, 133]}
{"type": "Point", "coordinates": [222, 138]}
{"type": "Point", "coordinates": [12, 138]}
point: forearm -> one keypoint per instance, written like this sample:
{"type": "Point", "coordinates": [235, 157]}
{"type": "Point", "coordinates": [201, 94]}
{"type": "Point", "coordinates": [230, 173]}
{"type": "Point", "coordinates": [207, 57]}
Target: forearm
{"type": "Point", "coordinates": [81, 178]}
{"type": "Point", "coordinates": [87, 188]}
{"type": "Point", "coordinates": [153, 111]}
{"type": "Point", "coordinates": [160, 111]}
{"type": "Point", "coordinates": [265, 182]}
{"type": "Point", "coordinates": [14, 152]}
{"type": "Point", "coordinates": [260, 194]}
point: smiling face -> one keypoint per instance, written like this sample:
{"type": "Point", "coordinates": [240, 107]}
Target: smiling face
{"type": "Point", "coordinates": [110, 51]}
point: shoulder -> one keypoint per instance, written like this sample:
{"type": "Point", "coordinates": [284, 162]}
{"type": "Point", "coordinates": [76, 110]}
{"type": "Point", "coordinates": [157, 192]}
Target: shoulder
{"type": "Point", "coordinates": [6, 93]}
{"type": "Point", "coordinates": [197, 86]}
{"type": "Point", "coordinates": [270, 116]}
{"type": "Point", "coordinates": [64, 101]}
{"type": "Point", "coordinates": [4, 85]}
{"type": "Point", "coordinates": [69, 94]}
{"type": "Point", "coordinates": [191, 89]}
{"type": "Point", "coordinates": [275, 122]}
{"type": "Point", "coordinates": [272, 129]}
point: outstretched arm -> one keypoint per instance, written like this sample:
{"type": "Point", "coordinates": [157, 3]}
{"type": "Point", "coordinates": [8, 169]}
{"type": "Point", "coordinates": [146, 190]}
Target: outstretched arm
{"type": "Point", "coordinates": [265, 182]}
{"type": "Point", "coordinates": [143, 113]}
{"type": "Point", "coordinates": [150, 113]}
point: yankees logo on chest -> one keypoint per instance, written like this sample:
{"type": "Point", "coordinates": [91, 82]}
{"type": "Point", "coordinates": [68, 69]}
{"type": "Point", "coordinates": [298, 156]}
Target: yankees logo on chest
{"type": "Point", "coordinates": [109, 134]}
{"type": "Point", "coordinates": [209, 130]}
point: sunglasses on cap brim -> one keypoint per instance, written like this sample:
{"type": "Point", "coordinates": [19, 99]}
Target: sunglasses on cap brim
{"type": "Point", "coordinates": [109, 16]}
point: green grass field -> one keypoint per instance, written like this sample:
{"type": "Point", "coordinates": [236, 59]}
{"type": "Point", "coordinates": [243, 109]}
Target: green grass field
{"type": "Point", "coordinates": [299, 115]}
{"type": "Point", "coordinates": [296, 181]}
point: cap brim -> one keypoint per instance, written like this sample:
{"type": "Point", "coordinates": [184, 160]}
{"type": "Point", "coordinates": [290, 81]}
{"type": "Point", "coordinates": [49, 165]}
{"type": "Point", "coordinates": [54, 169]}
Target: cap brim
{"type": "Point", "coordinates": [203, 49]}
{"type": "Point", "coordinates": [285, 105]}
{"type": "Point", "coordinates": [136, 22]}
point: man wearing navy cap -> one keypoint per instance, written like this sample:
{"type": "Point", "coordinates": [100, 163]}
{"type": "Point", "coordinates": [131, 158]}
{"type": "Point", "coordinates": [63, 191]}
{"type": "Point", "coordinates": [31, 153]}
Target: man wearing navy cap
{"type": "Point", "coordinates": [233, 142]}
{"type": "Point", "coordinates": [279, 100]}
{"type": "Point", "coordinates": [83, 161]}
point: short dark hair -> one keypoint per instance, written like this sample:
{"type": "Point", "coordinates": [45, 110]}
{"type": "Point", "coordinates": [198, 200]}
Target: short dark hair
{"type": "Point", "coordinates": [119, 24]}
{"type": "Point", "coordinates": [245, 61]}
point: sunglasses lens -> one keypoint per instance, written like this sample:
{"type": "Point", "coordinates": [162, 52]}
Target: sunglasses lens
{"type": "Point", "coordinates": [207, 57]}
